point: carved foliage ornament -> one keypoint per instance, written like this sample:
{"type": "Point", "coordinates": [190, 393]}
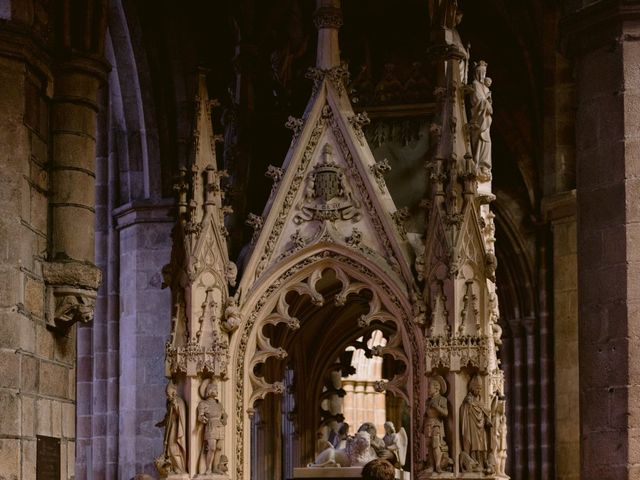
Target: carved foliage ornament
{"type": "Point", "coordinates": [327, 17]}
{"type": "Point", "coordinates": [338, 76]}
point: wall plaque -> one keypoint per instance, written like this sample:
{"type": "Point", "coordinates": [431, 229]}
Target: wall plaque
{"type": "Point", "coordinates": [47, 458]}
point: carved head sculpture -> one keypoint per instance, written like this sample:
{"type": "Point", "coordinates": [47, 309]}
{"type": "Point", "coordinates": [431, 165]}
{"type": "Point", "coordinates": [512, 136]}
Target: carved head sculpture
{"type": "Point", "coordinates": [359, 447]}
{"type": "Point", "coordinates": [223, 466]}
{"type": "Point", "coordinates": [389, 428]}
{"type": "Point", "coordinates": [481, 71]}
{"type": "Point", "coordinates": [368, 427]}
{"type": "Point", "coordinates": [231, 272]}
{"type": "Point", "coordinates": [437, 385]}
{"type": "Point", "coordinates": [211, 390]}
{"type": "Point", "coordinates": [475, 385]}
{"type": "Point", "coordinates": [171, 390]}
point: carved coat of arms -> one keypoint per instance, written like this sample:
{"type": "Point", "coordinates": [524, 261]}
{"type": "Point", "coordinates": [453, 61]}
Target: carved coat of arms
{"type": "Point", "coordinates": [327, 196]}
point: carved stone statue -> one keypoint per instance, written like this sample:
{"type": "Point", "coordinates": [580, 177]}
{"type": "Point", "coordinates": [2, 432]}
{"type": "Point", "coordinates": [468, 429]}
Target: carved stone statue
{"type": "Point", "coordinates": [476, 426]}
{"type": "Point", "coordinates": [357, 452]}
{"type": "Point", "coordinates": [230, 273]}
{"type": "Point", "coordinates": [396, 442]}
{"type": "Point", "coordinates": [173, 457]}
{"type": "Point", "coordinates": [499, 421]}
{"type": "Point", "coordinates": [71, 308]}
{"type": "Point", "coordinates": [481, 118]}
{"type": "Point", "coordinates": [377, 443]}
{"type": "Point", "coordinates": [232, 317]}
{"type": "Point", "coordinates": [436, 413]}
{"type": "Point", "coordinates": [213, 418]}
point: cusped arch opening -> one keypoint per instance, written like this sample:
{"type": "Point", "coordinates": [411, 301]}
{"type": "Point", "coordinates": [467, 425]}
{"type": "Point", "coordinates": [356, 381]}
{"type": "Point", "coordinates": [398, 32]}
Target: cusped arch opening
{"type": "Point", "coordinates": [306, 340]}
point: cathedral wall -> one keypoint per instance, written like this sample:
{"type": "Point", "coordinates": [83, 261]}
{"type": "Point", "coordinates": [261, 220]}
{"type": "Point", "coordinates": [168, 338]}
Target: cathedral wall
{"type": "Point", "coordinates": [37, 386]}
{"type": "Point", "coordinates": [607, 125]}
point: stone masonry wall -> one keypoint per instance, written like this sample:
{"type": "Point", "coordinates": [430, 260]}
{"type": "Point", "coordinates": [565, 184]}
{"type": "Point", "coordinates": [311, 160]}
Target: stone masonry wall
{"type": "Point", "coordinates": [603, 40]}
{"type": "Point", "coordinates": [37, 386]}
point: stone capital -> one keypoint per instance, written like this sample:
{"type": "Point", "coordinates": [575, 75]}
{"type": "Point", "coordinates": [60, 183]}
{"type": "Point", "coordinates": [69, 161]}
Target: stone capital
{"type": "Point", "coordinates": [72, 273]}
{"type": "Point", "coordinates": [598, 25]}
{"type": "Point", "coordinates": [328, 17]}
{"type": "Point", "coordinates": [138, 212]}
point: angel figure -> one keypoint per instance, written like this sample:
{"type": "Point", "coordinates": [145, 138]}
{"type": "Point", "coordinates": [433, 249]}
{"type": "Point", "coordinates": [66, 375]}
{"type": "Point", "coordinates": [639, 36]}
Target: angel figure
{"type": "Point", "coordinates": [396, 443]}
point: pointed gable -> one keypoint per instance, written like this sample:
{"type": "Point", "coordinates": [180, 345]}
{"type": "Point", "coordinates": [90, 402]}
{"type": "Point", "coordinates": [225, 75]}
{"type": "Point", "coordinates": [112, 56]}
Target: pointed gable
{"type": "Point", "coordinates": [329, 192]}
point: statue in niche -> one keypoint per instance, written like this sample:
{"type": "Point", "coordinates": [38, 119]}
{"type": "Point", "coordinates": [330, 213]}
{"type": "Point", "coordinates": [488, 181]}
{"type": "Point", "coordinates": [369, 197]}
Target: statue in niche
{"type": "Point", "coordinates": [212, 417]}
{"type": "Point", "coordinates": [433, 427]}
{"type": "Point", "coordinates": [476, 427]}
{"type": "Point", "coordinates": [173, 457]}
{"type": "Point", "coordinates": [499, 421]}
{"type": "Point", "coordinates": [481, 118]}
{"type": "Point", "coordinates": [396, 442]}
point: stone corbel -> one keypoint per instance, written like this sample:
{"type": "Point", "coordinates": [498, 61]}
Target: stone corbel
{"type": "Point", "coordinates": [71, 293]}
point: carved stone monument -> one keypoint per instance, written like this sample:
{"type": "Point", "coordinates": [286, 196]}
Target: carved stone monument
{"type": "Point", "coordinates": [331, 246]}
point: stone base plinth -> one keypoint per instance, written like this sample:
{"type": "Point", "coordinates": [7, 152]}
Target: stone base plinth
{"type": "Point", "coordinates": [200, 476]}
{"type": "Point", "coordinates": [335, 473]}
{"type": "Point", "coordinates": [460, 476]}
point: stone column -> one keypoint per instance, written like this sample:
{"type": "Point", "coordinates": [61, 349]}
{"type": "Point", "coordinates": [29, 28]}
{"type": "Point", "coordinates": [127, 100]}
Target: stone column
{"type": "Point", "coordinates": [74, 109]}
{"type": "Point", "coordinates": [145, 311]}
{"type": "Point", "coordinates": [602, 38]}
{"type": "Point", "coordinates": [560, 211]}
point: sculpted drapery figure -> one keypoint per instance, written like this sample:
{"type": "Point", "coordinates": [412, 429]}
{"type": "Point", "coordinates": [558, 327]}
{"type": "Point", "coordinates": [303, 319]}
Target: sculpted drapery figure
{"type": "Point", "coordinates": [481, 118]}
{"type": "Point", "coordinates": [173, 457]}
{"type": "Point", "coordinates": [212, 417]}
{"type": "Point", "coordinates": [436, 413]}
{"type": "Point", "coordinates": [476, 428]}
